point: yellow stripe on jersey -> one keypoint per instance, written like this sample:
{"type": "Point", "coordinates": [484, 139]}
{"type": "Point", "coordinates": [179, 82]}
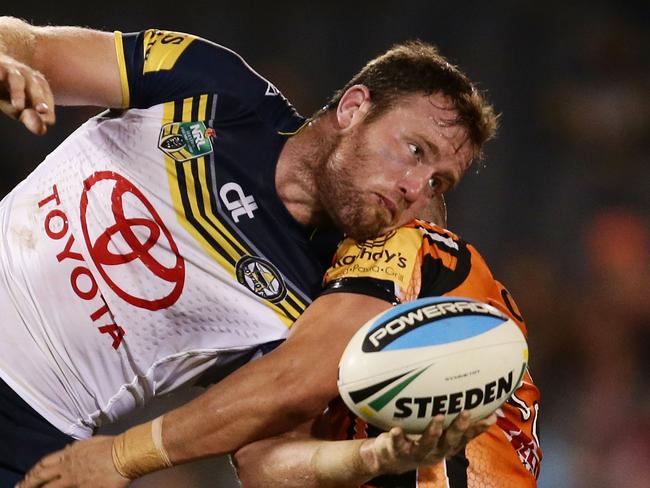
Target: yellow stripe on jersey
{"type": "Point", "coordinates": [121, 64]}
{"type": "Point", "coordinates": [189, 191]}
{"type": "Point", "coordinates": [187, 110]}
{"type": "Point", "coordinates": [212, 225]}
{"type": "Point", "coordinates": [163, 48]}
{"type": "Point", "coordinates": [174, 187]}
{"type": "Point", "coordinates": [203, 107]}
{"type": "Point", "coordinates": [207, 226]}
{"type": "Point", "coordinates": [234, 248]}
{"type": "Point", "coordinates": [293, 311]}
{"type": "Point", "coordinates": [193, 198]}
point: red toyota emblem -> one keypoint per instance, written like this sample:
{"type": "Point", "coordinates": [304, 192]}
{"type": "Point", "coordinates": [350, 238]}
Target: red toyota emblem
{"type": "Point", "coordinates": [127, 248]}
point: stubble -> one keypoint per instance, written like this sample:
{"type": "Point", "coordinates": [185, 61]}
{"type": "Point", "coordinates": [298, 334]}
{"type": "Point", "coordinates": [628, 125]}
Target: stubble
{"type": "Point", "coordinates": [349, 207]}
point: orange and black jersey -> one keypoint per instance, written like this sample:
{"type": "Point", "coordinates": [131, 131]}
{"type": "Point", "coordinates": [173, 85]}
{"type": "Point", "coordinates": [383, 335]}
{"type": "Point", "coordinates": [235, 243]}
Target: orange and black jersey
{"type": "Point", "coordinates": [418, 260]}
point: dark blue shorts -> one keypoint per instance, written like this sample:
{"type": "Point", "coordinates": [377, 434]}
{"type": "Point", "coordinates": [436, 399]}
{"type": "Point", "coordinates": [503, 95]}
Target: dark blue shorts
{"type": "Point", "coordinates": [25, 437]}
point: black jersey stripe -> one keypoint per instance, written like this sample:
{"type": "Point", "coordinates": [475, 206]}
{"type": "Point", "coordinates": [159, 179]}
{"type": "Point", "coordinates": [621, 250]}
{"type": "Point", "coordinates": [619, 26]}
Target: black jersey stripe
{"type": "Point", "coordinates": [297, 307]}
{"type": "Point", "coordinates": [207, 236]}
{"type": "Point", "coordinates": [196, 108]}
{"type": "Point", "coordinates": [178, 111]}
{"type": "Point", "coordinates": [187, 111]}
{"type": "Point", "coordinates": [198, 203]}
{"type": "Point", "coordinates": [457, 470]}
{"type": "Point", "coordinates": [196, 102]}
{"type": "Point", "coordinates": [202, 196]}
{"type": "Point", "coordinates": [173, 112]}
{"type": "Point", "coordinates": [437, 279]}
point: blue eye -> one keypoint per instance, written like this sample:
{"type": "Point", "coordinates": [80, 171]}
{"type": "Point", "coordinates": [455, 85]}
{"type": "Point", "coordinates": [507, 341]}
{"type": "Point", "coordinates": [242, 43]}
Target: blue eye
{"type": "Point", "coordinates": [415, 149]}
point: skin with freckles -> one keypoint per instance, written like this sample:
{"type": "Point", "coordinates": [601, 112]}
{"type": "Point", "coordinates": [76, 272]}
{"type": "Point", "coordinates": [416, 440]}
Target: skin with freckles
{"type": "Point", "coordinates": [402, 159]}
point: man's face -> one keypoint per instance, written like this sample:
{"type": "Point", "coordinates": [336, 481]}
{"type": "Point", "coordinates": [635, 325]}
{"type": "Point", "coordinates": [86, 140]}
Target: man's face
{"type": "Point", "coordinates": [382, 174]}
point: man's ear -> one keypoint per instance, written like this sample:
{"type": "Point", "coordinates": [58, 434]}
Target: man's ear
{"type": "Point", "coordinates": [353, 106]}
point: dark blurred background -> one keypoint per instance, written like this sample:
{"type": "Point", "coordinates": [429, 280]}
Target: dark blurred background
{"type": "Point", "coordinates": [561, 209]}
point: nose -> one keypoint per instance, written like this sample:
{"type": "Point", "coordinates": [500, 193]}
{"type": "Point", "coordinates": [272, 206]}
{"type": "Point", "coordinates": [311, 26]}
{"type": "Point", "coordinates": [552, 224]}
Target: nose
{"type": "Point", "coordinates": [415, 182]}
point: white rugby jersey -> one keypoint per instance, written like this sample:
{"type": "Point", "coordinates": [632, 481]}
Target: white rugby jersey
{"type": "Point", "coordinates": [152, 243]}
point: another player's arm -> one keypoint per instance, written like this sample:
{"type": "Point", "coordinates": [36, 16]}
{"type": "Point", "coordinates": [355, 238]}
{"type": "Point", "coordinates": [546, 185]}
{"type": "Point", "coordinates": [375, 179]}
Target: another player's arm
{"type": "Point", "coordinates": [271, 395]}
{"type": "Point", "coordinates": [285, 388]}
{"type": "Point", "coordinates": [298, 460]}
{"type": "Point", "coordinates": [43, 66]}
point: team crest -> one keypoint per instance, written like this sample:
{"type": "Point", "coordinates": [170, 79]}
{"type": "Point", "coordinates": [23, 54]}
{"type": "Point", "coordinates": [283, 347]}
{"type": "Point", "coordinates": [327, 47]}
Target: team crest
{"type": "Point", "coordinates": [261, 277]}
{"type": "Point", "coordinates": [183, 141]}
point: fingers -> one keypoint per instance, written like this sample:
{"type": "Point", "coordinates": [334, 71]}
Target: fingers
{"type": "Point", "coordinates": [395, 452]}
{"type": "Point", "coordinates": [480, 426]}
{"type": "Point", "coordinates": [462, 430]}
{"type": "Point", "coordinates": [26, 95]}
{"type": "Point", "coordinates": [386, 445]}
{"type": "Point", "coordinates": [452, 439]}
{"type": "Point", "coordinates": [433, 432]}
{"type": "Point", "coordinates": [45, 471]}
{"type": "Point", "coordinates": [31, 119]}
{"type": "Point", "coordinates": [401, 444]}
{"type": "Point", "coordinates": [40, 97]}
{"type": "Point", "coordinates": [39, 110]}
{"type": "Point", "coordinates": [14, 83]}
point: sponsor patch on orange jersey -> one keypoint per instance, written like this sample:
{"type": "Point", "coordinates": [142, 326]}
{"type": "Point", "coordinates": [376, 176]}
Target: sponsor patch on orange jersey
{"type": "Point", "coordinates": [390, 257]}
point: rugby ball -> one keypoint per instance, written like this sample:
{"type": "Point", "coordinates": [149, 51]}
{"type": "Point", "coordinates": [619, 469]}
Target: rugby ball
{"type": "Point", "coordinates": [432, 356]}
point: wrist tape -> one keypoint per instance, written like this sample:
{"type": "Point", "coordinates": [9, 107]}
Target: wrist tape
{"type": "Point", "coordinates": [140, 450]}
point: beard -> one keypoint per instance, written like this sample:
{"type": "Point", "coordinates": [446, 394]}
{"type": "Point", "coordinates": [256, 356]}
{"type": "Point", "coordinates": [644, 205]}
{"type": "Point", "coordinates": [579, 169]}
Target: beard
{"type": "Point", "coordinates": [347, 206]}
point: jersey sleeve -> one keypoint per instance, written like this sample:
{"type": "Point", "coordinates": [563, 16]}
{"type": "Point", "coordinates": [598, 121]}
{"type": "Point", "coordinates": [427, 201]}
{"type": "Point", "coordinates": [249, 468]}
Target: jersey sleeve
{"type": "Point", "coordinates": [384, 267]}
{"type": "Point", "coordinates": [158, 66]}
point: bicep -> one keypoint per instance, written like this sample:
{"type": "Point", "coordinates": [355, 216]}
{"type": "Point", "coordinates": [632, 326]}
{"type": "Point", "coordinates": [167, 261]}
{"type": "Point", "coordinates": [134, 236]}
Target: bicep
{"type": "Point", "coordinates": [81, 65]}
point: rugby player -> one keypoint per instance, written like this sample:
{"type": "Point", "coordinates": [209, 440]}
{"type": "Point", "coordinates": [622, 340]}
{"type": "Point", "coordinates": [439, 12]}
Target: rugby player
{"type": "Point", "coordinates": [436, 262]}
{"type": "Point", "coordinates": [186, 228]}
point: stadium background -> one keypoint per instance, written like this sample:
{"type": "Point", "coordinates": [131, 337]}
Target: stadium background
{"type": "Point", "coordinates": [561, 210]}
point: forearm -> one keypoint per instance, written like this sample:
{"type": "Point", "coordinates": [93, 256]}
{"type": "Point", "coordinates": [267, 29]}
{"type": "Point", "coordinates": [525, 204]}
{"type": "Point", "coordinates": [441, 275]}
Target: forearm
{"type": "Point", "coordinates": [305, 463]}
{"type": "Point", "coordinates": [344, 463]}
{"type": "Point", "coordinates": [79, 65]}
{"type": "Point", "coordinates": [17, 39]}
{"type": "Point", "coordinates": [267, 397]}
{"type": "Point", "coordinates": [297, 459]}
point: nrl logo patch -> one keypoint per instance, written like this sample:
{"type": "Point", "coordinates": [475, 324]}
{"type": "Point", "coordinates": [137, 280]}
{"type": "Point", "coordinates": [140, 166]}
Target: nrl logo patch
{"type": "Point", "coordinates": [261, 277]}
{"type": "Point", "coordinates": [183, 141]}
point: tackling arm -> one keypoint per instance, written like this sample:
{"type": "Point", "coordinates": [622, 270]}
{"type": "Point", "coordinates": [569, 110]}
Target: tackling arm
{"type": "Point", "coordinates": [287, 387]}
{"type": "Point", "coordinates": [271, 395]}
{"type": "Point", "coordinates": [298, 460]}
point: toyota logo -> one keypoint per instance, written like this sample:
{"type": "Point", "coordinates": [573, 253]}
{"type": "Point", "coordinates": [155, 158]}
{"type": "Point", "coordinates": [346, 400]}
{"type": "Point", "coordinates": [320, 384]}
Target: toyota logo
{"type": "Point", "coordinates": [136, 244]}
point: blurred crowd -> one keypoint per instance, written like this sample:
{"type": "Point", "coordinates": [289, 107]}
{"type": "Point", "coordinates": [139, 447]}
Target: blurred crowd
{"type": "Point", "coordinates": [583, 276]}
{"type": "Point", "coordinates": [561, 208]}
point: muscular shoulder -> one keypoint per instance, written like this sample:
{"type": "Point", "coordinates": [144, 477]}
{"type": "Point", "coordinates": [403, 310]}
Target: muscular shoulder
{"type": "Point", "coordinates": [158, 66]}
